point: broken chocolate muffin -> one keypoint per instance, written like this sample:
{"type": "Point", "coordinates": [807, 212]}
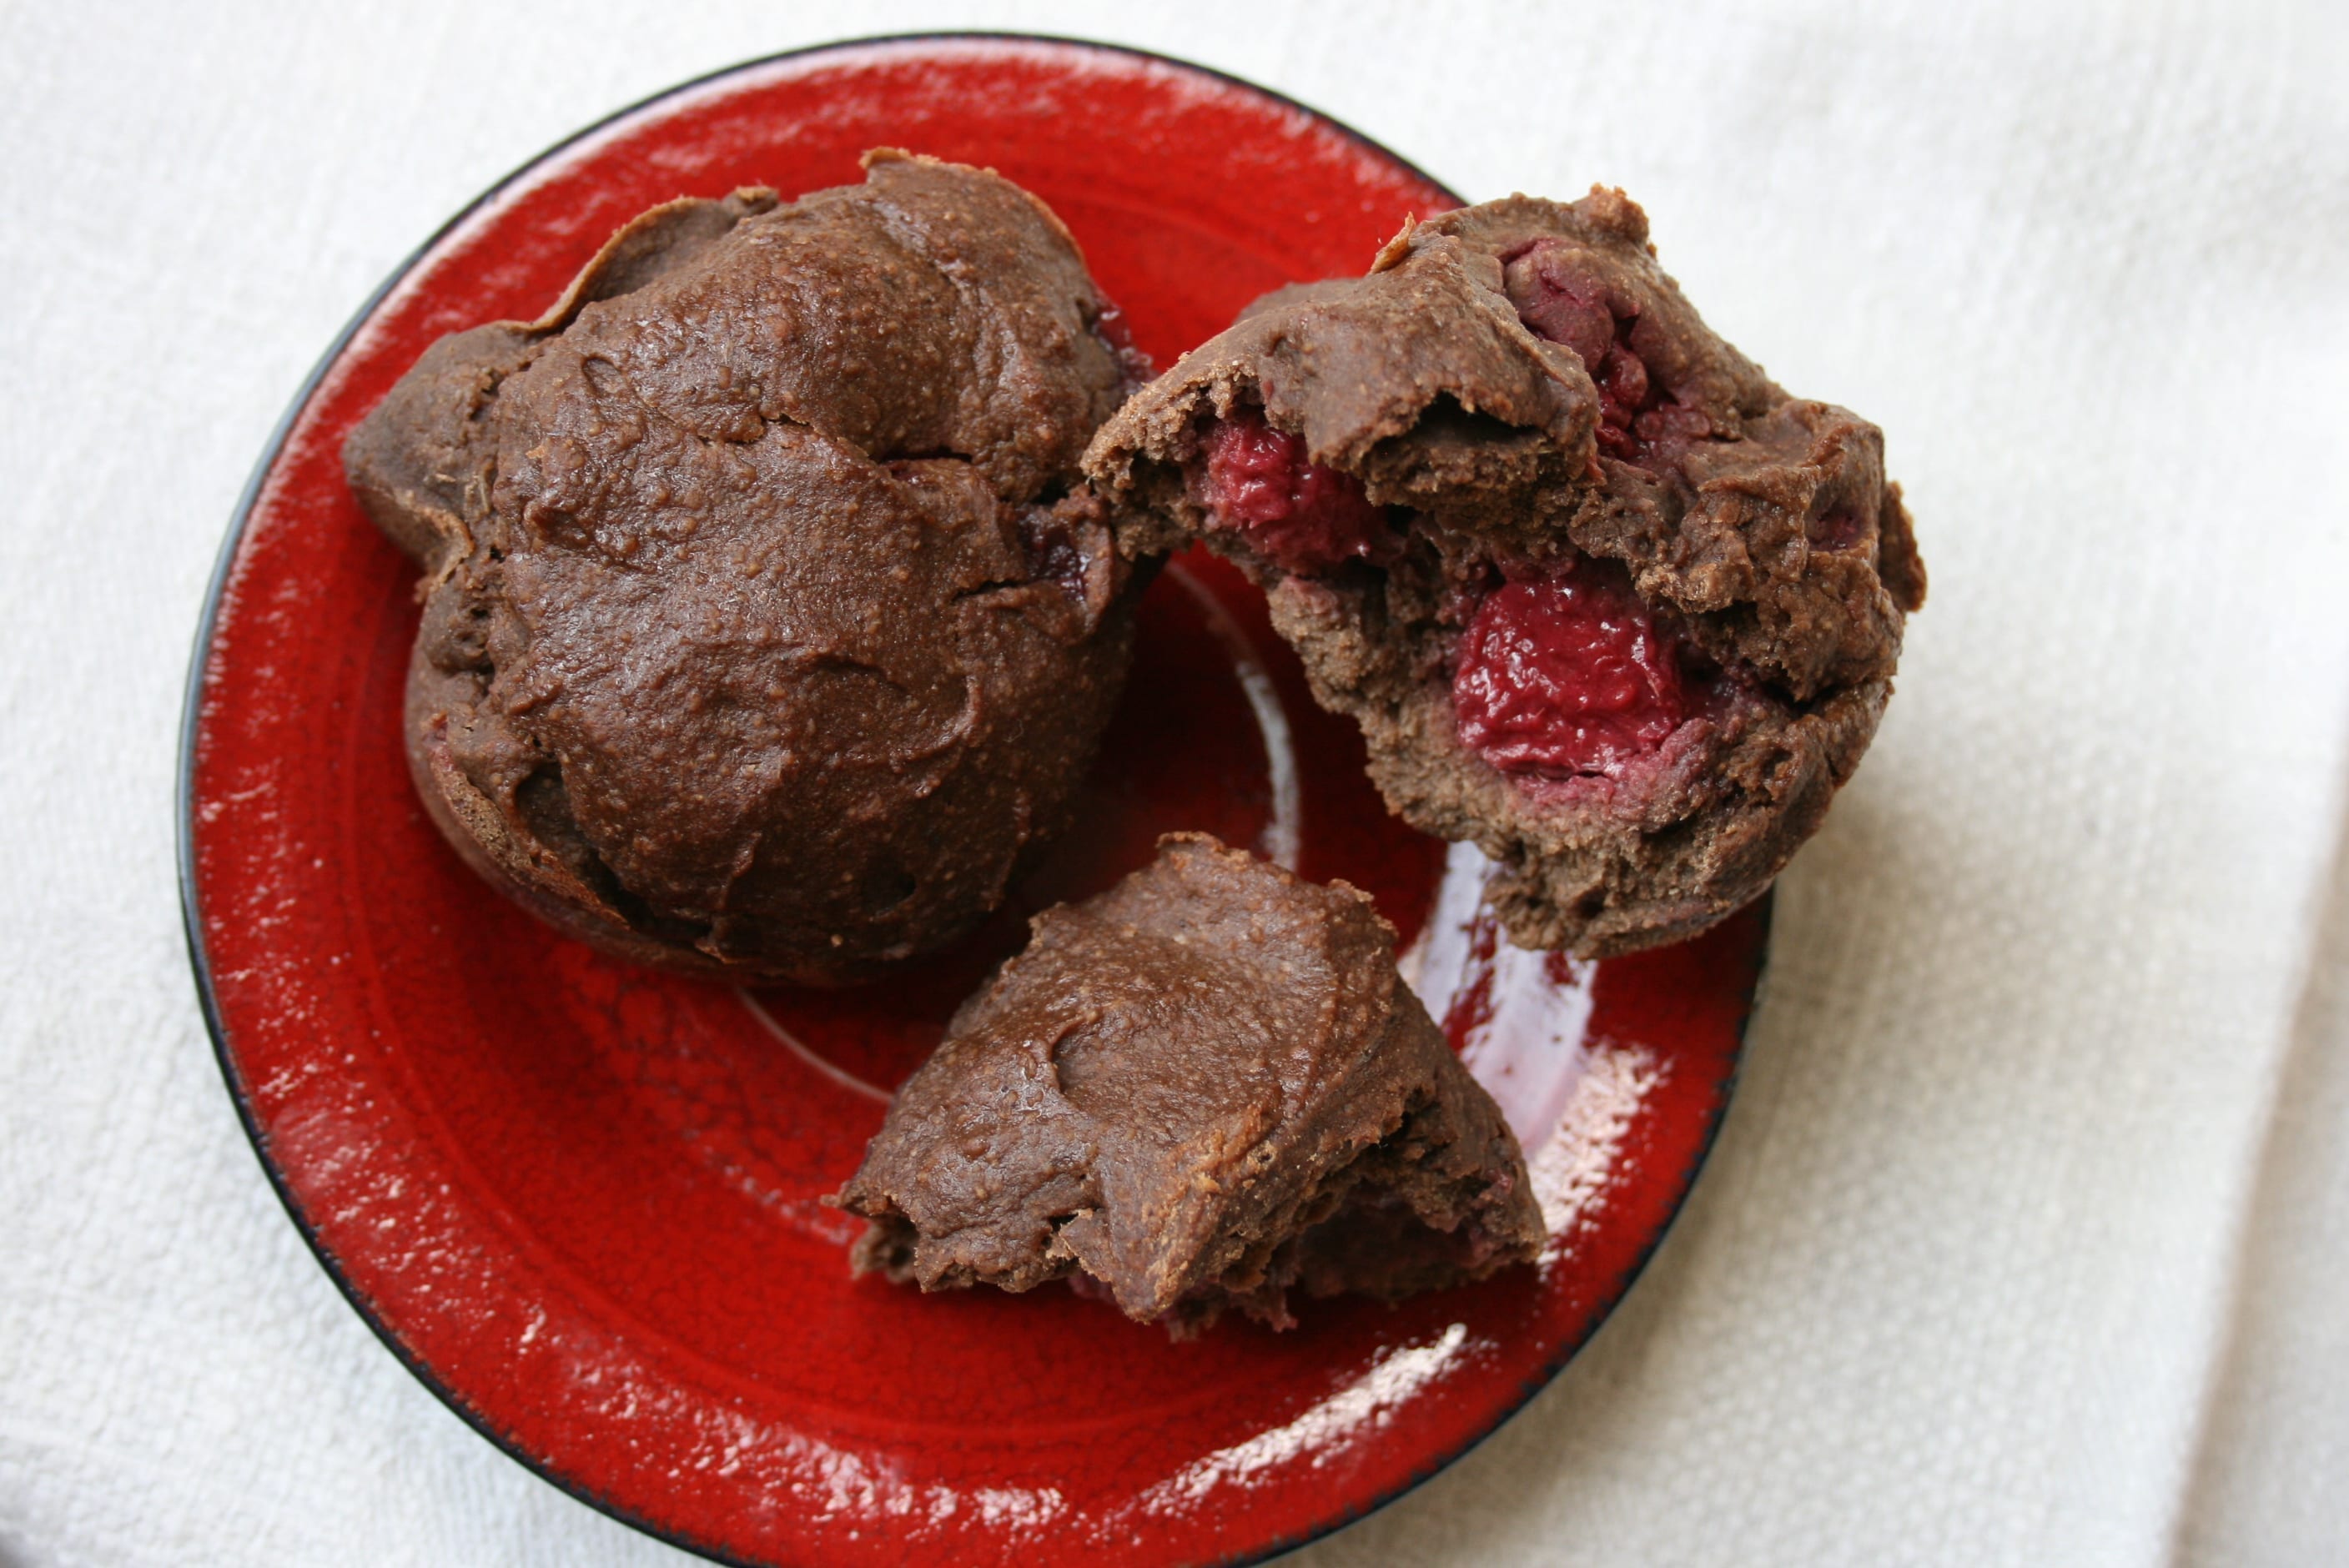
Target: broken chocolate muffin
{"type": "Point", "coordinates": [1199, 1091]}
{"type": "Point", "coordinates": [1604, 599]}
{"type": "Point", "coordinates": [768, 626]}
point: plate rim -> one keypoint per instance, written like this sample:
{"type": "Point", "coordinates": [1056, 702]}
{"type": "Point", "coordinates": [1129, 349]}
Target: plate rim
{"type": "Point", "coordinates": [191, 718]}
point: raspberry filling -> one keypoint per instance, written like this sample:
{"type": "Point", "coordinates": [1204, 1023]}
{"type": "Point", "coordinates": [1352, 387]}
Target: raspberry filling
{"type": "Point", "coordinates": [1840, 527]}
{"type": "Point", "coordinates": [1565, 675]}
{"type": "Point", "coordinates": [1302, 516]}
{"type": "Point", "coordinates": [1635, 413]}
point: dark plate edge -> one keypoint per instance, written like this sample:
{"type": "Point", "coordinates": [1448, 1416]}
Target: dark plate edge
{"type": "Point", "coordinates": [192, 914]}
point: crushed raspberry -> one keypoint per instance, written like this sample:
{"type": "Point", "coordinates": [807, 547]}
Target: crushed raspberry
{"type": "Point", "coordinates": [1840, 527]}
{"type": "Point", "coordinates": [1303, 516]}
{"type": "Point", "coordinates": [1635, 413]}
{"type": "Point", "coordinates": [1565, 675]}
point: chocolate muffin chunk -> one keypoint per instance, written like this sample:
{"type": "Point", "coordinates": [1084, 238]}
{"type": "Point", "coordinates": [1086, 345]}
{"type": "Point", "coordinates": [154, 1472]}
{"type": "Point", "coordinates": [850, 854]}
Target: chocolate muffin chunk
{"type": "Point", "coordinates": [768, 626]}
{"type": "Point", "coordinates": [1200, 1091]}
{"type": "Point", "coordinates": [1604, 599]}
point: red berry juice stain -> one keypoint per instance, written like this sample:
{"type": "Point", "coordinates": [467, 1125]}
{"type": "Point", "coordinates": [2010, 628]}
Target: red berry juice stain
{"type": "Point", "coordinates": [1112, 327]}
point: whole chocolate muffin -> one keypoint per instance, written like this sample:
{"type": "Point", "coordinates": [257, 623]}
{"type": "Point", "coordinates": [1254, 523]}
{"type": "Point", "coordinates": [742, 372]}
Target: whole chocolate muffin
{"type": "Point", "coordinates": [1195, 1093]}
{"type": "Point", "coordinates": [1604, 599]}
{"type": "Point", "coordinates": [769, 624]}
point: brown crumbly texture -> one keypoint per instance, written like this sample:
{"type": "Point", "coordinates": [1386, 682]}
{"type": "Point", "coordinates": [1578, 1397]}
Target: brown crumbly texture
{"type": "Point", "coordinates": [1757, 527]}
{"type": "Point", "coordinates": [1200, 1091]}
{"type": "Point", "coordinates": [768, 626]}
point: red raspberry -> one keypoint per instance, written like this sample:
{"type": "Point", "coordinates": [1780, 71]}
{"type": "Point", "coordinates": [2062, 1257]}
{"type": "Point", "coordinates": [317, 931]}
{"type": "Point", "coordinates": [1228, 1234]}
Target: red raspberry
{"type": "Point", "coordinates": [1302, 516]}
{"type": "Point", "coordinates": [1637, 414]}
{"type": "Point", "coordinates": [1565, 675]}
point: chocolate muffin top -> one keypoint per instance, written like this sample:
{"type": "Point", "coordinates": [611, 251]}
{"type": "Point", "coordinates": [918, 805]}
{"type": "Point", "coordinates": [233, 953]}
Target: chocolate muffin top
{"type": "Point", "coordinates": [1197, 1092]}
{"type": "Point", "coordinates": [1604, 598]}
{"type": "Point", "coordinates": [768, 625]}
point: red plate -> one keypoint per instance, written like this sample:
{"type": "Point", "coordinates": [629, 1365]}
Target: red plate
{"type": "Point", "coordinates": [579, 1199]}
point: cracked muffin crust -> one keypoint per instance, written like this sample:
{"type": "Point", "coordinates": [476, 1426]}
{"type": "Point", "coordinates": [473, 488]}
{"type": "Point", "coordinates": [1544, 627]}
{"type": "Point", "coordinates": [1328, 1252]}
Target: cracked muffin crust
{"type": "Point", "coordinates": [1604, 599]}
{"type": "Point", "coordinates": [1198, 1092]}
{"type": "Point", "coordinates": [768, 626]}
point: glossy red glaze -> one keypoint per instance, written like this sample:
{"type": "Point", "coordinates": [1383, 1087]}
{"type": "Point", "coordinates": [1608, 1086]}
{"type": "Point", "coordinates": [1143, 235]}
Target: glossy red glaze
{"type": "Point", "coordinates": [1302, 515]}
{"type": "Point", "coordinates": [1565, 674]}
{"type": "Point", "coordinates": [579, 1198]}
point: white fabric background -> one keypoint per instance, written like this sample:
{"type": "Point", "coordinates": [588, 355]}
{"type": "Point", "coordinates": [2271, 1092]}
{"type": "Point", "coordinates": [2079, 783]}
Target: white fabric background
{"type": "Point", "coordinates": [2028, 1239]}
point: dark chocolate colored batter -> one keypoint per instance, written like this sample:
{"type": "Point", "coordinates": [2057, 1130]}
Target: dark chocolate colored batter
{"type": "Point", "coordinates": [1604, 599]}
{"type": "Point", "coordinates": [768, 626]}
{"type": "Point", "coordinates": [1199, 1091]}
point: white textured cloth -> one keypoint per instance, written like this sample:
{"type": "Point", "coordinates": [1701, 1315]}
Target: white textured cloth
{"type": "Point", "coordinates": [2007, 1254]}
